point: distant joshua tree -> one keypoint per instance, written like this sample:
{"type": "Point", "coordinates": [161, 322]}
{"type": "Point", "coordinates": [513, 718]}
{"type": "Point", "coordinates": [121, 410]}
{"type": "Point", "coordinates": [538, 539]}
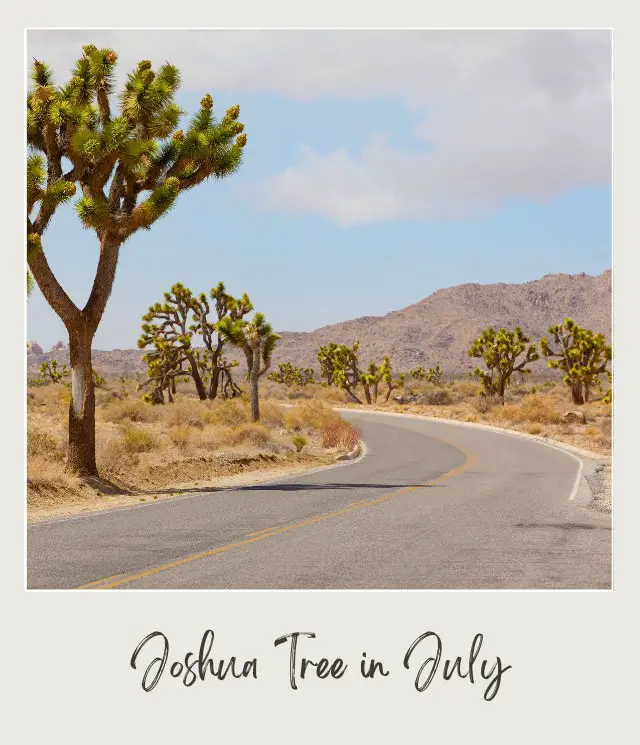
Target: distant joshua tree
{"type": "Point", "coordinates": [500, 351]}
{"type": "Point", "coordinates": [582, 355]}
{"type": "Point", "coordinates": [257, 340]}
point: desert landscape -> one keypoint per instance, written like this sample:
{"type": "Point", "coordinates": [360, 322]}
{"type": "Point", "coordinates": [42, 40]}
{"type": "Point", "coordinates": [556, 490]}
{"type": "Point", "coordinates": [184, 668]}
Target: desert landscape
{"type": "Point", "coordinates": [386, 450]}
{"type": "Point", "coordinates": [154, 452]}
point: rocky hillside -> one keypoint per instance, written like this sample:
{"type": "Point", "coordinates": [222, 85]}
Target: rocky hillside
{"type": "Point", "coordinates": [436, 329]}
{"type": "Point", "coordinates": [440, 327]}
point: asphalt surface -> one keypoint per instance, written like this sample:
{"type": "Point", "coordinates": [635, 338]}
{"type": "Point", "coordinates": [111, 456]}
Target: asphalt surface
{"type": "Point", "coordinates": [430, 505]}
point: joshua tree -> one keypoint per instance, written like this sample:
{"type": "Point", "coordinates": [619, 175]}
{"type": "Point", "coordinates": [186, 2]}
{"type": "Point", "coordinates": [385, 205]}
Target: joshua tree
{"type": "Point", "coordinates": [216, 370]}
{"type": "Point", "coordinates": [257, 340]}
{"type": "Point", "coordinates": [500, 351]}
{"type": "Point", "coordinates": [326, 357]}
{"type": "Point", "coordinates": [51, 373]}
{"type": "Point", "coordinates": [370, 381]}
{"type": "Point", "coordinates": [131, 165]}
{"type": "Point", "coordinates": [582, 355]}
{"type": "Point", "coordinates": [165, 365]}
{"type": "Point", "coordinates": [29, 283]}
{"type": "Point", "coordinates": [175, 321]}
{"type": "Point", "coordinates": [288, 374]}
{"type": "Point", "coordinates": [342, 364]}
{"type": "Point", "coordinates": [171, 335]}
{"type": "Point", "coordinates": [386, 375]}
{"type": "Point", "coordinates": [432, 375]}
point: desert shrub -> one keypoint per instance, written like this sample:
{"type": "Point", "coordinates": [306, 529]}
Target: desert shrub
{"type": "Point", "coordinates": [339, 432]}
{"type": "Point", "coordinates": [483, 404]}
{"type": "Point", "coordinates": [252, 433]}
{"type": "Point", "coordinates": [605, 432]}
{"type": "Point", "coordinates": [438, 397]}
{"type": "Point", "coordinates": [466, 388]}
{"type": "Point", "coordinates": [533, 408]}
{"type": "Point", "coordinates": [310, 415]}
{"type": "Point", "coordinates": [42, 443]}
{"type": "Point", "coordinates": [133, 410]}
{"type": "Point", "coordinates": [180, 435]}
{"type": "Point", "coordinates": [188, 413]}
{"type": "Point", "coordinates": [534, 428]}
{"type": "Point", "coordinates": [114, 457]}
{"type": "Point", "coordinates": [299, 442]}
{"type": "Point", "coordinates": [231, 412]}
{"type": "Point", "coordinates": [138, 440]}
{"type": "Point", "coordinates": [272, 413]}
{"type": "Point", "coordinates": [211, 437]}
{"type": "Point", "coordinates": [48, 479]}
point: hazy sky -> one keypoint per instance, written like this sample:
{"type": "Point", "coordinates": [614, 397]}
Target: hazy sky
{"type": "Point", "coordinates": [380, 167]}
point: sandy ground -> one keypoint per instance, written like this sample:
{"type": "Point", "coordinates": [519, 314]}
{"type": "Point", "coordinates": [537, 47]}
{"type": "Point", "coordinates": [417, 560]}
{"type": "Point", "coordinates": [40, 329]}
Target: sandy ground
{"type": "Point", "coordinates": [92, 501]}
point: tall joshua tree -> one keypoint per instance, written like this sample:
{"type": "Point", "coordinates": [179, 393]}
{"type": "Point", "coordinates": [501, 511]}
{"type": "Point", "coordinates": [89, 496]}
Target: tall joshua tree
{"type": "Point", "coordinates": [257, 340]}
{"type": "Point", "coordinates": [130, 163]}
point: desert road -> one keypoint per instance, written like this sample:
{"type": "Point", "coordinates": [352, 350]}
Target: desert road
{"type": "Point", "coordinates": [429, 505]}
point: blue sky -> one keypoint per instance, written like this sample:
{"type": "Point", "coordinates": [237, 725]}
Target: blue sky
{"type": "Point", "coordinates": [357, 199]}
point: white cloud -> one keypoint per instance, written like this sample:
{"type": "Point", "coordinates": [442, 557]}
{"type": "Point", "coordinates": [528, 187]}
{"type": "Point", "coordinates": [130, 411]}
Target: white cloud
{"type": "Point", "coordinates": [507, 114]}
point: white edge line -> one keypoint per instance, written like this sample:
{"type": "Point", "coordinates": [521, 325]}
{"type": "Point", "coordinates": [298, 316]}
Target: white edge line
{"type": "Point", "coordinates": [576, 483]}
{"type": "Point", "coordinates": [561, 447]}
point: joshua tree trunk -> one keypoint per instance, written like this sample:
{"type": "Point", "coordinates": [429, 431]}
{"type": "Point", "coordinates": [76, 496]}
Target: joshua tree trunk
{"type": "Point", "coordinates": [82, 438]}
{"type": "Point", "coordinates": [214, 384]}
{"type": "Point", "coordinates": [197, 378]}
{"type": "Point", "coordinates": [352, 396]}
{"type": "Point", "coordinates": [576, 393]}
{"type": "Point", "coordinates": [253, 384]}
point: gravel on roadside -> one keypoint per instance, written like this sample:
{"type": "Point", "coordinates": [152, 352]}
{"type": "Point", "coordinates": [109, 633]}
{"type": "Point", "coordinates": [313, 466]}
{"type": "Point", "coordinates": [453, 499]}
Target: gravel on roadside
{"type": "Point", "coordinates": [600, 484]}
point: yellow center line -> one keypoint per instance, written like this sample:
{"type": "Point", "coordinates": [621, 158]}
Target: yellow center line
{"type": "Point", "coordinates": [118, 579]}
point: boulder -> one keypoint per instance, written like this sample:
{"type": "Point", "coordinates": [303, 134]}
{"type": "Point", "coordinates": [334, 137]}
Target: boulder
{"type": "Point", "coordinates": [574, 417]}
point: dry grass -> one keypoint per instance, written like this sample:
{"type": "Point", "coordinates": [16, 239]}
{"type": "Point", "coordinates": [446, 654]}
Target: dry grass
{"type": "Point", "coordinates": [129, 409]}
{"type": "Point", "coordinates": [533, 408]}
{"type": "Point", "coordinates": [189, 442]}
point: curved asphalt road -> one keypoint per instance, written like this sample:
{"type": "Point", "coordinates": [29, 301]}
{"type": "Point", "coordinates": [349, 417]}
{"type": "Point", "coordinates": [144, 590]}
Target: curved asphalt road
{"type": "Point", "coordinates": [431, 505]}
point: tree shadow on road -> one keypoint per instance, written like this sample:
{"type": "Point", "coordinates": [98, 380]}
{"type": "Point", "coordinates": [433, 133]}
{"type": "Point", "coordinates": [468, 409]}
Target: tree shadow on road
{"type": "Point", "coordinates": [292, 487]}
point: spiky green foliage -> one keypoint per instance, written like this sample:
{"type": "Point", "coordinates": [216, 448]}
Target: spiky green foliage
{"type": "Point", "coordinates": [325, 358]}
{"type": "Point", "coordinates": [341, 367]}
{"type": "Point", "coordinates": [386, 376]}
{"type": "Point", "coordinates": [169, 329]}
{"type": "Point", "coordinates": [216, 370]}
{"type": "Point", "coordinates": [581, 354]}
{"type": "Point", "coordinates": [99, 380]}
{"type": "Point", "coordinates": [128, 162]}
{"type": "Point", "coordinates": [290, 375]}
{"type": "Point", "coordinates": [502, 353]}
{"type": "Point", "coordinates": [29, 283]}
{"type": "Point", "coordinates": [608, 396]}
{"type": "Point", "coordinates": [432, 375]}
{"type": "Point", "coordinates": [257, 339]}
{"type": "Point", "coordinates": [51, 372]}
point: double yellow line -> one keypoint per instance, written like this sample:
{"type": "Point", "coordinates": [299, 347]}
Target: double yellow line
{"type": "Point", "coordinates": [118, 580]}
